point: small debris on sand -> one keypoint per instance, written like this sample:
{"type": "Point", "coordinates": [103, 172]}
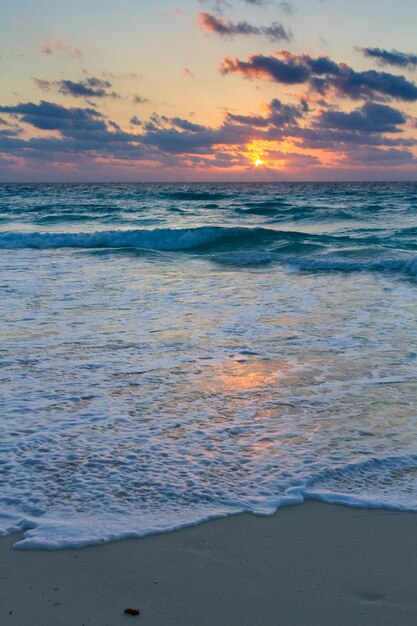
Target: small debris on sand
{"type": "Point", "coordinates": [132, 611]}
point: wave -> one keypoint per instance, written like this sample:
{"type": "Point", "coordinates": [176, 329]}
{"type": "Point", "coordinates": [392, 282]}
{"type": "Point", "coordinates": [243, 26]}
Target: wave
{"type": "Point", "coordinates": [389, 483]}
{"type": "Point", "coordinates": [156, 239]}
{"type": "Point", "coordinates": [335, 264]}
{"type": "Point", "coordinates": [245, 259]}
{"type": "Point", "coordinates": [264, 208]}
{"type": "Point", "coordinates": [234, 246]}
{"type": "Point", "coordinates": [168, 238]}
{"type": "Point", "coordinates": [375, 483]}
{"type": "Point", "coordinates": [317, 263]}
{"type": "Point", "coordinates": [193, 195]}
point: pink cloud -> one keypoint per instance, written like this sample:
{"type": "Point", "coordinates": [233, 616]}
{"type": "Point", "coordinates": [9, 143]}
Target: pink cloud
{"type": "Point", "coordinates": [186, 72]}
{"type": "Point", "coordinates": [52, 47]}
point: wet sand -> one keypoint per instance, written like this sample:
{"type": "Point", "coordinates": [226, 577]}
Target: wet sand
{"type": "Point", "coordinates": [308, 565]}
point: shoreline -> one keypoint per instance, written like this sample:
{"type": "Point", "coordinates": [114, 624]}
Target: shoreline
{"type": "Point", "coordinates": [313, 564]}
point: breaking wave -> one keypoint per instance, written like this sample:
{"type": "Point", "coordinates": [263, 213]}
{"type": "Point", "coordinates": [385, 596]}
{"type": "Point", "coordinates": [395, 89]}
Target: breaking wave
{"type": "Point", "coordinates": [156, 239]}
{"type": "Point", "coordinates": [229, 246]}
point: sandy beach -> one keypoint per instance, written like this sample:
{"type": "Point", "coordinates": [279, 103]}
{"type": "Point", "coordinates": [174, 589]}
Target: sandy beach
{"type": "Point", "coordinates": [314, 564]}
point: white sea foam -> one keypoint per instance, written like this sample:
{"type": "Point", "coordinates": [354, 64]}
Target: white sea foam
{"type": "Point", "coordinates": [229, 372]}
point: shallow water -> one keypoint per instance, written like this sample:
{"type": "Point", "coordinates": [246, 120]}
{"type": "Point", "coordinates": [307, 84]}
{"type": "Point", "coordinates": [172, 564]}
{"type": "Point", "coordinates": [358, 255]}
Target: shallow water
{"type": "Point", "coordinates": [172, 353]}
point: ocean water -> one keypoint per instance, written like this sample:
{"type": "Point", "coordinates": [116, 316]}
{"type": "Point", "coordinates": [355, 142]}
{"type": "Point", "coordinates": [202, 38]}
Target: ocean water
{"type": "Point", "coordinates": [173, 353]}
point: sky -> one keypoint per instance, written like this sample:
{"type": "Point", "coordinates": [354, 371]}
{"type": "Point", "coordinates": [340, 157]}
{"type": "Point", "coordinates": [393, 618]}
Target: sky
{"type": "Point", "coordinates": [208, 90]}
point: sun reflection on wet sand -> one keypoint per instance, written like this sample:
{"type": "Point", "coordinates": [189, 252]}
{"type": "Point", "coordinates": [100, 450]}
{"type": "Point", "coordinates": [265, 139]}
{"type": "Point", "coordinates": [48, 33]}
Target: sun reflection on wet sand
{"type": "Point", "coordinates": [247, 375]}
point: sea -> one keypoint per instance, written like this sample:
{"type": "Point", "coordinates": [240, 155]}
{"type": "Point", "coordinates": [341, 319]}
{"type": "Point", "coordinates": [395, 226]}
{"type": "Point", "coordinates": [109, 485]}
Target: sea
{"type": "Point", "coordinates": [172, 353]}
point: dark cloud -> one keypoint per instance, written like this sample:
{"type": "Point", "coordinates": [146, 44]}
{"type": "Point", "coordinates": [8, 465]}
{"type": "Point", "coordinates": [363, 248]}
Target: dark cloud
{"type": "Point", "coordinates": [288, 7]}
{"type": "Point", "coordinates": [256, 121]}
{"type": "Point", "coordinates": [333, 140]}
{"type": "Point", "coordinates": [186, 125]}
{"type": "Point", "coordinates": [179, 136]}
{"type": "Point", "coordinates": [226, 28]}
{"type": "Point", "coordinates": [90, 87]}
{"type": "Point", "coordinates": [139, 100]}
{"type": "Point", "coordinates": [84, 137]}
{"type": "Point", "coordinates": [322, 75]}
{"type": "Point", "coordinates": [370, 118]}
{"type": "Point", "coordinates": [50, 116]}
{"type": "Point", "coordinates": [363, 136]}
{"type": "Point", "coordinates": [135, 121]}
{"type": "Point", "coordinates": [175, 141]}
{"type": "Point", "coordinates": [392, 157]}
{"type": "Point", "coordinates": [10, 132]}
{"type": "Point", "coordinates": [372, 124]}
{"type": "Point", "coordinates": [261, 66]}
{"type": "Point", "coordinates": [85, 125]}
{"type": "Point", "coordinates": [4, 122]}
{"type": "Point", "coordinates": [279, 116]}
{"type": "Point", "coordinates": [176, 135]}
{"type": "Point", "coordinates": [392, 57]}
{"type": "Point", "coordinates": [370, 83]}
{"type": "Point", "coordinates": [218, 6]}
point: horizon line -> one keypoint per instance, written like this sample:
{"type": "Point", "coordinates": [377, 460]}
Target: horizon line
{"type": "Point", "coordinates": [201, 182]}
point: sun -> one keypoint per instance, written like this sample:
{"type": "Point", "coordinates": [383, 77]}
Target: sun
{"type": "Point", "coordinates": [258, 162]}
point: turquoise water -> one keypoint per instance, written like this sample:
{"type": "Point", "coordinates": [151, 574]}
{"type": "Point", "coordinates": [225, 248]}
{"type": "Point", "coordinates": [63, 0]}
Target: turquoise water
{"type": "Point", "coordinates": [172, 353]}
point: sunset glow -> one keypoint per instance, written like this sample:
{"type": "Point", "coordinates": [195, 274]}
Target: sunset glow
{"type": "Point", "coordinates": [233, 89]}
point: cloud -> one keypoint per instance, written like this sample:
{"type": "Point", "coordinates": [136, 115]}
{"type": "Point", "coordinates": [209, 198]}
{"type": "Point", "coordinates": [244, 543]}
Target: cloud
{"type": "Point", "coordinates": [279, 116]}
{"type": "Point", "coordinates": [370, 84]}
{"type": "Point", "coordinates": [176, 141]}
{"type": "Point", "coordinates": [43, 84]}
{"type": "Point", "coordinates": [139, 100]}
{"type": "Point", "coordinates": [90, 87]}
{"type": "Point", "coordinates": [288, 7]}
{"type": "Point", "coordinates": [219, 5]}
{"type": "Point", "coordinates": [57, 46]}
{"type": "Point", "coordinates": [334, 140]}
{"type": "Point", "coordinates": [322, 75]}
{"type": "Point", "coordinates": [370, 118]}
{"type": "Point", "coordinates": [392, 157]}
{"type": "Point", "coordinates": [225, 28]}
{"type": "Point", "coordinates": [83, 139]}
{"type": "Point", "coordinates": [4, 122]}
{"type": "Point", "coordinates": [269, 67]}
{"type": "Point", "coordinates": [393, 57]}
{"type": "Point", "coordinates": [216, 5]}
{"type": "Point", "coordinates": [259, 3]}
{"type": "Point", "coordinates": [180, 136]}
{"type": "Point", "coordinates": [50, 116]}
{"type": "Point", "coordinates": [186, 125]}
{"type": "Point", "coordinates": [10, 132]}
{"type": "Point", "coordinates": [370, 135]}
{"type": "Point", "coordinates": [187, 73]}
